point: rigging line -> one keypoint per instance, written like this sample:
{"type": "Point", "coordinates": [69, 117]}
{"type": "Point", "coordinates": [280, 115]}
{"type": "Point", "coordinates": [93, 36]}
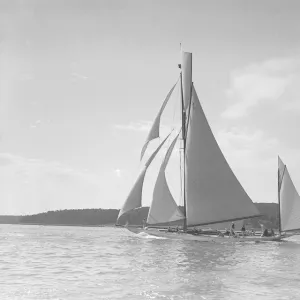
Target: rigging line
{"type": "Point", "coordinates": [180, 172]}
{"type": "Point", "coordinates": [189, 109]}
{"type": "Point", "coordinates": [281, 179]}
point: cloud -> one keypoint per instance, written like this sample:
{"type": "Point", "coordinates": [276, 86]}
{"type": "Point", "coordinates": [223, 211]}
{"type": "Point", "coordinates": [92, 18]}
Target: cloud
{"type": "Point", "coordinates": [252, 155]}
{"type": "Point", "coordinates": [34, 185]}
{"type": "Point", "coordinates": [118, 172]}
{"type": "Point", "coordinates": [247, 149]}
{"type": "Point", "coordinates": [143, 126]}
{"type": "Point", "coordinates": [79, 76]}
{"type": "Point", "coordinates": [264, 82]}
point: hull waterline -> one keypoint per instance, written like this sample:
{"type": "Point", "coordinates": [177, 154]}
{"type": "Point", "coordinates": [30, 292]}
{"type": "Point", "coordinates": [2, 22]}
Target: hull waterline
{"type": "Point", "coordinates": [203, 237]}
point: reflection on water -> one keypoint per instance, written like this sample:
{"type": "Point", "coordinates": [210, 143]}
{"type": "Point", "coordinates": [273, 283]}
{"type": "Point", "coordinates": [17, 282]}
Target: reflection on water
{"type": "Point", "coordinates": [112, 263]}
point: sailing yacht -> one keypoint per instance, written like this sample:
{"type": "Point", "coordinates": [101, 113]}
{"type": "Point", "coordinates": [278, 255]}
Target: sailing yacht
{"type": "Point", "coordinates": [289, 202]}
{"type": "Point", "coordinates": [211, 192]}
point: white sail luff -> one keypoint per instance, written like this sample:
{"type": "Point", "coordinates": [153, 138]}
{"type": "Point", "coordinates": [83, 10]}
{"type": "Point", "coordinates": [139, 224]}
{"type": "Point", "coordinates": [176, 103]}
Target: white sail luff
{"type": "Point", "coordinates": [213, 192]}
{"type": "Point", "coordinates": [134, 199]}
{"type": "Point", "coordinates": [154, 131]}
{"type": "Point", "coordinates": [163, 208]}
{"type": "Point", "coordinates": [186, 67]}
{"type": "Point", "coordinates": [289, 201]}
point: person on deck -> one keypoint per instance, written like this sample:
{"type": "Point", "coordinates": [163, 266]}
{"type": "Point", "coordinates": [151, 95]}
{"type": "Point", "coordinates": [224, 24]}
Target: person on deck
{"type": "Point", "coordinates": [144, 223]}
{"type": "Point", "coordinates": [272, 232]}
{"type": "Point", "coordinates": [243, 229]}
{"type": "Point", "coordinates": [265, 233]}
{"type": "Point", "coordinates": [232, 229]}
{"type": "Point", "coordinates": [262, 229]}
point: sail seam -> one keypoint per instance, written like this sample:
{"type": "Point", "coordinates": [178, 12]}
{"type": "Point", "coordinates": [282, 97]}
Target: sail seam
{"type": "Point", "coordinates": [281, 179]}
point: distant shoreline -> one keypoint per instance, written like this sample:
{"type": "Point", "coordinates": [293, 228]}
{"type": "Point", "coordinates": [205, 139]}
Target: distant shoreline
{"type": "Point", "coordinates": [65, 225]}
{"type": "Point", "coordinates": [108, 217]}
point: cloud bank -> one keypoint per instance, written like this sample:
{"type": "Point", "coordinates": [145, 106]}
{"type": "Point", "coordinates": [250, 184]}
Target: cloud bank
{"type": "Point", "coordinates": [34, 185]}
{"type": "Point", "coordinates": [264, 82]}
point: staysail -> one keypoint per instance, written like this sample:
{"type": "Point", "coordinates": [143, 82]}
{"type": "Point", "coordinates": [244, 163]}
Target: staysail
{"type": "Point", "coordinates": [154, 131]}
{"type": "Point", "coordinates": [213, 193]}
{"type": "Point", "coordinates": [163, 208]}
{"type": "Point", "coordinates": [289, 200]}
{"type": "Point", "coordinates": [134, 199]}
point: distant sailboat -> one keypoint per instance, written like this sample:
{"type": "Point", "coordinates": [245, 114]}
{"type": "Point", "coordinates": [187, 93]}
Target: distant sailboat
{"type": "Point", "coordinates": [289, 201]}
{"type": "Point", "coordinates": [211, 192]}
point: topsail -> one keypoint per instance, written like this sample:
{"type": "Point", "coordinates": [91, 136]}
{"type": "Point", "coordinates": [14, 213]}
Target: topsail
{"type": "Point", "coordinates": [154, 131]}
{"type": "Point", "coordinates": [186, 77]}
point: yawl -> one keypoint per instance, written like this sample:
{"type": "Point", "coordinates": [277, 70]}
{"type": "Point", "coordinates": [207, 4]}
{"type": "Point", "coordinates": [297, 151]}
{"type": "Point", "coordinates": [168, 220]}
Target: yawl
{"type": "Point", "coordinates": [212, 193]}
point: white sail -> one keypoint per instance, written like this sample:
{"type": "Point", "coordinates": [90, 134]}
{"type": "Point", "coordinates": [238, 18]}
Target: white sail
{"type": "Point", "coordinates": [289, 200]}
{"type": "Point", "coordinates": [213, 193]}
{"type": "Point", "coordinates": [163, 208]}
{"type": "Point", "coordinates": [186, 67]}
{"type": "Point", "coordinates": [134, 198]}
{"type": "Point", "coordinates": [154, 131]}
{"type": "Point", "coordinates": [281, 169]}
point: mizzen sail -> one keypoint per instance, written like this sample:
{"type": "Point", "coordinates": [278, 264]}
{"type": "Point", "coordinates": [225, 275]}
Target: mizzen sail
{"type": "Point", "coordinates": [289, 200]}
{"type": "Point", "coordinates": [213, 193]}
{"type": "Point", "coordinates": [154, 131]}
{"type": "Point", "coordinates": [134, 199]}
{"type": "Point", "coordinates": [163, 208]}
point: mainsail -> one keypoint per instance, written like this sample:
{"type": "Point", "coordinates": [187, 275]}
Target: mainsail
{"type": "Point", "coordinates": [163, 208]}
{"type": "Point", "coordinates": [289, 200]}
{"type": "Point", "coordinates": [154, 131]}
{"type": "Point", "coordinates": [213, 193]}
{"type": "Point", "coordinates": [134, 199]}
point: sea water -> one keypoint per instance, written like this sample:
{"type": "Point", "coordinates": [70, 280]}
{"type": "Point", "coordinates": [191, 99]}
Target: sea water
{"type": "Point", "coordinates": [51, 262]}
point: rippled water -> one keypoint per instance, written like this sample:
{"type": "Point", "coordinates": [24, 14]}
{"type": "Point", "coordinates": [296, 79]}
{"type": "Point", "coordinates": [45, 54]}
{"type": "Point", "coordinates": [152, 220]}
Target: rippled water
{"type": "Point", "coordinates": [41, 262]}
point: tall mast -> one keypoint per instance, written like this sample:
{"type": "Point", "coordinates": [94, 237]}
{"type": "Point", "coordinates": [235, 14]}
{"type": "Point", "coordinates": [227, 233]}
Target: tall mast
{"type": "Point", "coordinates": [186, 95]}
{"type": "Point", "coordinates": [183, 119]}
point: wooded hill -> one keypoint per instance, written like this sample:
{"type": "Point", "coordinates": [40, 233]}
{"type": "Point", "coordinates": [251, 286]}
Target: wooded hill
{"type": "Point", "coordinates": [96, 217]}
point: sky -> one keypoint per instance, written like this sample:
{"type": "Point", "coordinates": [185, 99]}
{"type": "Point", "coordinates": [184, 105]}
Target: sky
{"type": "Point", "coordinates": [81, 82]}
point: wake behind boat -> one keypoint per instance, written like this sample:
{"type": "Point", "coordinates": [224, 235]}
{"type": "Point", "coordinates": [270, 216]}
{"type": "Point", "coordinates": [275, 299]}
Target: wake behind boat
{"type": "Point", "coordinates": [211, 192]}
